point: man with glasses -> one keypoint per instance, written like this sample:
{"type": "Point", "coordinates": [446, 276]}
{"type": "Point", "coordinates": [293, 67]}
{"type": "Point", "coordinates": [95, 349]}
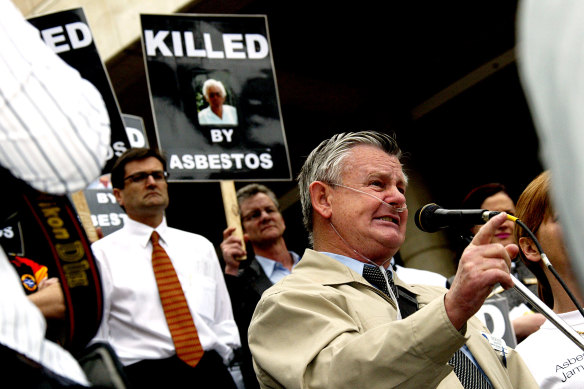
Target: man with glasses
{"type": "Point", "coordinates": [140, 312]}
{"type": "Point", "coordinates": [263, 227]}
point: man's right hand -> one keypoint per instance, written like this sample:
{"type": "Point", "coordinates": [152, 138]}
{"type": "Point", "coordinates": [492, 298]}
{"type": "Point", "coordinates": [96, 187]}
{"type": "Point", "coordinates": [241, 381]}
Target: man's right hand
{"type": "Point", "coordinates": [232, 248]}
{"type": "Point", "coordinates": [483, 264]}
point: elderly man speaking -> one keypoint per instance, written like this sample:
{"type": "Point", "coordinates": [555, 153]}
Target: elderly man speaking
{"type": "Point", "coordinates": [343, 320]}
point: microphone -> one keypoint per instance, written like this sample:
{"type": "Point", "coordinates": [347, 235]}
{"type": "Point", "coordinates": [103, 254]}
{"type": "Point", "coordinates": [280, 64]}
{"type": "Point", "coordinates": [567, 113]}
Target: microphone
{"type": "Point", "coordinates": [432, 217]}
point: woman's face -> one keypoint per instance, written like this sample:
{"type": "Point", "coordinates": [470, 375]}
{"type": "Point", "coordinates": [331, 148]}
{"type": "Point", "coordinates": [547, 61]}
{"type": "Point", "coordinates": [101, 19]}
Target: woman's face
{"type": "Point", "coordinates": [500, 202]}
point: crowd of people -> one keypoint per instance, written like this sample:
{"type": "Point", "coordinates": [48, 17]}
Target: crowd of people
{"type": "Point", "coordinates": [343, 314]}
{"type": "Point", "coordinates": [326, 311]}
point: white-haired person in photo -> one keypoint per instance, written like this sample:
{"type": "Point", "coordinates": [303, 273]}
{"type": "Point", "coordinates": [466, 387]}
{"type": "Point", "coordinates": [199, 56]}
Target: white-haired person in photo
{"type": "Point", "coordinates": [217, 112]}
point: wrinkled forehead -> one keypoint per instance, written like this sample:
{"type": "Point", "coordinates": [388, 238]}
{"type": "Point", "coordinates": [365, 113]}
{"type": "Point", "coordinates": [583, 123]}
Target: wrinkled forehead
{"type": "Point", "coordinates": [365, 161]}
{"type": "Point", "coordinates": [259, 200]}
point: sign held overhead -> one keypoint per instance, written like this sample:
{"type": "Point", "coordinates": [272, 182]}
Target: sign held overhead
{"type": "Point", "coordinates": [214, 97]}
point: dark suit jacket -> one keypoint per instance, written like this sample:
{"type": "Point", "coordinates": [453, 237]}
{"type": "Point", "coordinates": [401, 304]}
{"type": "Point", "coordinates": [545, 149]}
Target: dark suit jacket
{"type": "Point", "coordinates": [245, 291]}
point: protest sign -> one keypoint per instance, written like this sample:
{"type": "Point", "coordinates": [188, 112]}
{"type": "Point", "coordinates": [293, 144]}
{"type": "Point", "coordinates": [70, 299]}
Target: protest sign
{"type": "Point", "coordinates": [135, 131]}
{"type": "Point", "coordinates": [495, 315]}
{"type": "Point", "coordinates": [68, 34]}
{"type": "Point", "coordinates": [236, 131]}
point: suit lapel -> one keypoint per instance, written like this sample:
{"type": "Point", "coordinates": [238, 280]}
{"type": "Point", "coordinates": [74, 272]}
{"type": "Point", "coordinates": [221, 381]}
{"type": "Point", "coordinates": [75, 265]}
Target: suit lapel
{"type": "Point", "coordinates": [260, 281]}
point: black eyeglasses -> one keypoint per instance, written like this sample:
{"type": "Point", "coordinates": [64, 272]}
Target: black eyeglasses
{"type": "Point", "coordinates": [158, 175]}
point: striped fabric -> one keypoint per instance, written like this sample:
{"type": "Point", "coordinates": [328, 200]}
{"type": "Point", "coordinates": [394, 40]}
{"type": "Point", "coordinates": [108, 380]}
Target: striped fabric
{"type": "Point", "coordinates": [54, 125]}
{"type": "Point", "coordinates": [178, 316]}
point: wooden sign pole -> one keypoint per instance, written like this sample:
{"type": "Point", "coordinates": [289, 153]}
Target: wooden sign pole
{"type": "Point", "coordinates": [232, 210]}
{"type": "Point", "coordinates": [80, 203]}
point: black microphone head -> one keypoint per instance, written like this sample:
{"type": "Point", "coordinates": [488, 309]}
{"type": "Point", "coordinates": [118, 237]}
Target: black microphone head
{"type": "Point", "coordinates": [423, 218]}
{"type": "Point", "coordinates": [432, 217]}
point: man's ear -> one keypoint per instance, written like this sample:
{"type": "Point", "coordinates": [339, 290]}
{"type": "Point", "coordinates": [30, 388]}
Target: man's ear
{"type": "Point", "coordinates": [118, 195]}
{"type": "Point", "coordinates": [320, 196]}
{"type": "Point", "coordinates": [529, 249]}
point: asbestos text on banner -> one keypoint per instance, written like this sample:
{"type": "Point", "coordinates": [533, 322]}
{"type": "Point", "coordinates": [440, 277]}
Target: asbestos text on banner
{"type": "Point", "coordinates": [214, 97]}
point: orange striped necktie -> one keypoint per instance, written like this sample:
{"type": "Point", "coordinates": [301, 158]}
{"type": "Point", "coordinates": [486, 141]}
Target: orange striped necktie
{"type": "Point", "coordinates": [178, 316]}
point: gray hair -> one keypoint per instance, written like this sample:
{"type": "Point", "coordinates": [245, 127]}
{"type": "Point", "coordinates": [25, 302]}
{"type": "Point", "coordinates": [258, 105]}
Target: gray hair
{"type": "Point", "coordinates": [325, 163]}
{"type": "Point", "coordinates": [251, 190]}
{"type": "Point", "coordinates": [212, 82]}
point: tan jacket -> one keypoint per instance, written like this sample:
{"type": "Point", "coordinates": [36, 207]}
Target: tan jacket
{"type": "Point", "coordinates": [325, 326]}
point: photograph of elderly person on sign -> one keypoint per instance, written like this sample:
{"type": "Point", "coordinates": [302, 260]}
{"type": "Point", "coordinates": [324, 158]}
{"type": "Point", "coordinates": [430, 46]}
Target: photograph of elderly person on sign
{"type": "Point", "coordinates": [216, 112]}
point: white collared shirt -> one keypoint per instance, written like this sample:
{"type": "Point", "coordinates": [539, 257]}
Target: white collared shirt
{"type": "Point", "coordinates": [134, 323]}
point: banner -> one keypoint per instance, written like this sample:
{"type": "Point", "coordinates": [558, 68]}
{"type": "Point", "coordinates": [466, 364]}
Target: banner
{"type": "Point", "coordinates": [495, 315]}
{"type": "Point", "coordinates": [234, 131]}
{"type": "Point", "coordinates": [68, 34]}
{"type": "Point", "coordinates": [135, 131]}
{"type": "Point", "coordinates": [105, 211]}
{"type": "Point", "coordinates": [11, 237]}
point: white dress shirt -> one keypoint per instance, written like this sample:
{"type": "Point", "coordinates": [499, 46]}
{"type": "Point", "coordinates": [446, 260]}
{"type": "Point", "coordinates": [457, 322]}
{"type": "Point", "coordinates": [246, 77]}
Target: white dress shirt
{"type": "Point", "coordinates": [54, 134]}
{"type": "Point", "coordinates": [133, 322]}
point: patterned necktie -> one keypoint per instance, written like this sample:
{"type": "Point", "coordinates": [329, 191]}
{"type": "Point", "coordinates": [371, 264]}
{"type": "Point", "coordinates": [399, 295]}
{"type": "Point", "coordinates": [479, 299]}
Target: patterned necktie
{"type": "Point", "coordinates": [375, 277]}
{"type": "Point", "coordinates": [178, 316]}
{"type": "Point", "coordinates": [467, 373]}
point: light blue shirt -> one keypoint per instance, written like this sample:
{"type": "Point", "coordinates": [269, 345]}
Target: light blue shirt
{"type": "Point", "coordinates": [355, 265]}
{"type": "Point", "coordinates": [274, 270]}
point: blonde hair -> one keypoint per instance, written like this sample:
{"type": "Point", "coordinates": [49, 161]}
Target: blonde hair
{"type": "Point", "coordinates": [533, 207]}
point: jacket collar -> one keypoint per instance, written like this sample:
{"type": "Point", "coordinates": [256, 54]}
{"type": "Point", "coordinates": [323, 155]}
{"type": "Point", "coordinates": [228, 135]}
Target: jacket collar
{"type": "Point", "coordinates": [329, 271]}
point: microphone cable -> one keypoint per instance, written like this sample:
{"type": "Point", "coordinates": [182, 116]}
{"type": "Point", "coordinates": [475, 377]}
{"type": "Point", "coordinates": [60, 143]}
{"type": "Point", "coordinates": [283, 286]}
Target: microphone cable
{"type": "Point", "coordinates": [544, 258]}
{"type": "Point", "coordinates": [547, 262]}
